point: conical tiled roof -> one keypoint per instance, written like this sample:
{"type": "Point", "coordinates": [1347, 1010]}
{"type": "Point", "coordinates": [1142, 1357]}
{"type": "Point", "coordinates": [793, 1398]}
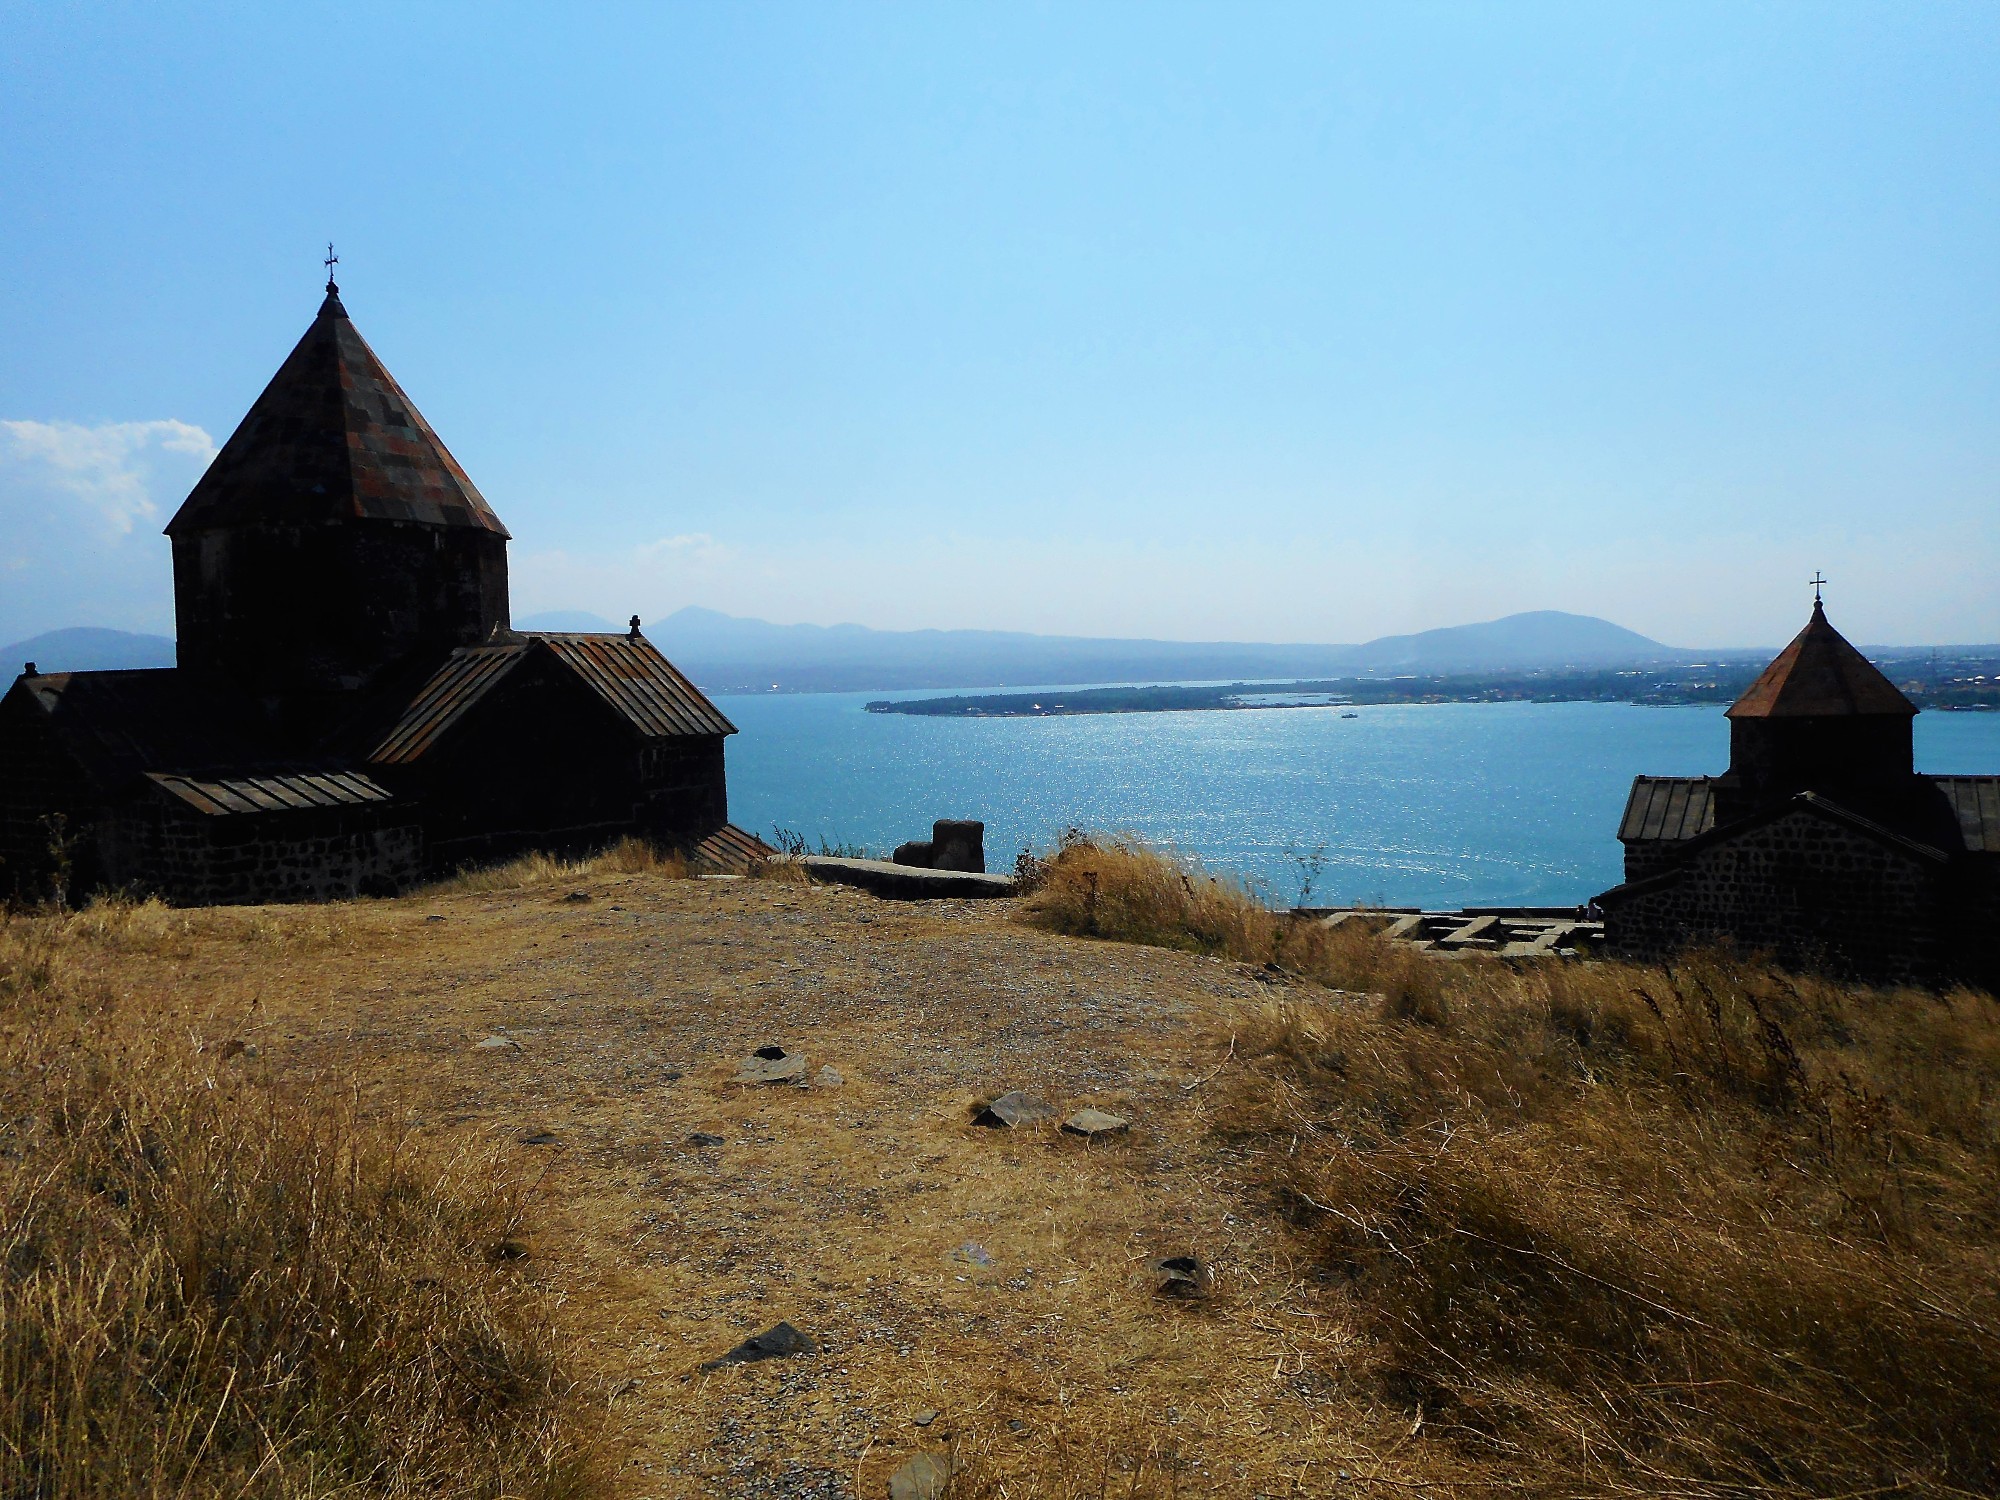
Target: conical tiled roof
{"type": "Point", "coordinates": [333, 437]}
{"type": "Point", "coordinates": [1820, 676]}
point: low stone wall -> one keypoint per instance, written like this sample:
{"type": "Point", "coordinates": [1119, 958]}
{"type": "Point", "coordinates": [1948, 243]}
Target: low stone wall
{"type": "Point", "coordinates": [325, 854]}
{"type": "Point", "coordinates": [906, 882]}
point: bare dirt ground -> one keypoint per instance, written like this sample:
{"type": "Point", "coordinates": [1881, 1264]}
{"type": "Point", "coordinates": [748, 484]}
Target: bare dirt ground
{"type": "Point", "coordinates": [998, 1279]}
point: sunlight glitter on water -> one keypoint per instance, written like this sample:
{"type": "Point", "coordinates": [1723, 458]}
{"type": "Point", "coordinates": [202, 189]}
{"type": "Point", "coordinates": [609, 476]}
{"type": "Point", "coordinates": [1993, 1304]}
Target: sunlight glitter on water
{"type": "Point", "coordinates": [1449, 805]}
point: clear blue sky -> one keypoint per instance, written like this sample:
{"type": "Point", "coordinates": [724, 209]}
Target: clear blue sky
{"type": "Point", "coordinates": [1224, 321]}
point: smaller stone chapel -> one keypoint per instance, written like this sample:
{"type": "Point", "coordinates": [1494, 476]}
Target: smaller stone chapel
{"type": "Point", "coordinates": [1822, 844]}
{"type": "Point", "coordinates": [351, 711]}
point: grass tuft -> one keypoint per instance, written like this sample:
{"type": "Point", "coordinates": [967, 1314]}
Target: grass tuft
{"type": "Point", "coordinates": [629, 856]}
{"type": "Point", "coordinates": [210, 1285]}
{"type": "Point", "coordinates": [1707, 1228]}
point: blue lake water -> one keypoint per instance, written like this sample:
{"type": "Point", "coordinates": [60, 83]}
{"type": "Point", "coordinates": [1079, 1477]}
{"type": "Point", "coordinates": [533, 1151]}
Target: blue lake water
{"type": "Point", "coordinates": [1448, 805]}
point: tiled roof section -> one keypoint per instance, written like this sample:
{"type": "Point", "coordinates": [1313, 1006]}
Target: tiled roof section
{"type": "Point", "coordinates": [730, 851]}
{"type": "Point", "coordinates": [1976, 801]}
{"type": "Point", "coordinates": [1667, 807]}
{"type": "Point", "coordinates": [631, 675]}
{"type": "Point", "coordinates": [1820, 676]}
{"type": "Point", "coordinates": [119, 725]}
{"type": "Point", "coordinates": [291, 791]}
{"type": "Point", "coordinates": [333, 437]}
{"type": "Point", "coordinates": [462, 681]}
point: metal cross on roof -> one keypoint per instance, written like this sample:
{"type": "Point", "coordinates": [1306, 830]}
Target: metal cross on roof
{"type": "Point", "coordinates": [1816, 580]}
{"type": "Point", "coordinates": [330, 262]}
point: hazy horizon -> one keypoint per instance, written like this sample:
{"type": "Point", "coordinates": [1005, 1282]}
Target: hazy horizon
{"type": "Point", "coordinates": [1301, 323]}
{"type": "Point", "coordinates": [587, 620]}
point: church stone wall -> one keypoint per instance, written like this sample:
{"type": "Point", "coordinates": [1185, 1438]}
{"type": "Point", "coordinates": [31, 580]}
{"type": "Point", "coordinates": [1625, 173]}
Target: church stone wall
{"type": "Point", "coordinates": [325, 854]}
{"type": "Point", "coordinates": [46, 801]}
{"type": "Point", "coordinates": [682, 788]}
{"type": "Point", "coordinates": [1645, 858]}
{"type": "Point", "coordinates": [1803, 887]}
{"type": "Point", "coordinates": [298, 610]}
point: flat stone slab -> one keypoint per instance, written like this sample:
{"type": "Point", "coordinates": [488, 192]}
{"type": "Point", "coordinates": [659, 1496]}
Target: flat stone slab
{"type": "Point", "coordinates": [922, 1478]}
{"type": "Point", "coordinates": [1014, 1108]}
{"type": "Point", "coordinates": [1096, 1122]}
{"type": "Point", "coordinates": [906, 882]}
{"type": "Point", "coordinates": [496, 1044]}
{"type": "Point", "coordinates": [779, 1342]}
{"type": "Point", "coordinates": [762, 1067]}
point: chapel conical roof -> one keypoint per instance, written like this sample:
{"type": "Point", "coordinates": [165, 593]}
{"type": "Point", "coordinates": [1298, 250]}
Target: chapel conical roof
{"type": "Point", "coordinates": [333, 437]}
{"type": "Point", "coordinates": [1820, 676]}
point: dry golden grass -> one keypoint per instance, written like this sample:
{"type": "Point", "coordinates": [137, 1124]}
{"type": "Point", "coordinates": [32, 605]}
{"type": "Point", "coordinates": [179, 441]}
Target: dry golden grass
{"type": "Point", "coordinates": [1549, 1228]}
{"type": "Point", "coordinates": [629, 856]}
{"type": "Point", "coordinates": [210, 1285]}
{"type": "Point", "coordinates": [1122, 890]}
{"type": "Point", "coordinates": [1708, 1229]}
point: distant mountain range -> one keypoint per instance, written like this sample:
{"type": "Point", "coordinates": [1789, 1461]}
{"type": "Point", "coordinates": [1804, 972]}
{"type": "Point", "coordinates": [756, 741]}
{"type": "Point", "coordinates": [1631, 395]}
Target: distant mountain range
{"type": "Point", "coordinates": [728, 653]}
{"type": "Point", "coordinates": [86, 648]}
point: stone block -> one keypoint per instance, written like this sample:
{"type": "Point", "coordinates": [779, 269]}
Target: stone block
{"type": "Point", "coordinates": [916, 853]}
{"type": "Point", "coordinates": [958, 844]}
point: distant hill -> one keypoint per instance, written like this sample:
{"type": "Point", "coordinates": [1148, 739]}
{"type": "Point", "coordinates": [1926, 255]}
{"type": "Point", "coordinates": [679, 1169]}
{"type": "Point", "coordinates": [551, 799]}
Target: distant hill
{"type": "Point", "coordinates": [86, 648]}
{"type": "Point", "coordinates": [1541, 638]}
{"type": "Point", "coordinates": [729, 653]}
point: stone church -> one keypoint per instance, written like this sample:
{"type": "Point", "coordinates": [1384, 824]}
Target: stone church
{"type": "Point", "coordinates": [351, 712]}
{"type": "Point", "coordinates": [1821, 844]}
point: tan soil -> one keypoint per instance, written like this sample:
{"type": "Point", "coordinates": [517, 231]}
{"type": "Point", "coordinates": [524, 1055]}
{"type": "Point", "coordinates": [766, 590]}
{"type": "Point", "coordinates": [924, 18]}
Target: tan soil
{"type": "Point", "coordinates": [1057, 1369]}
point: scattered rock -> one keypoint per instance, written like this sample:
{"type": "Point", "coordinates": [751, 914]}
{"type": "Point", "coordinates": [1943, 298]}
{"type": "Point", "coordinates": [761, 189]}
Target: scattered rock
{"type": "Point", "coordinates": [828, 1077]}
{"type": "Point", "coordinates": [577, 896]}
{"type": "Point", "coordinates": [1184, 1276]}
{"type": "Point", "coordinates": [672, 1075]}
{"type": "Point", "coordinates": [537, 1138]}
{"type": "Point", "coordinates": [497, 1044]}
{"type": "Point", "coordinates": [922, 1478]}
{"type": "Point", "coordinates": [1089, 1122]}
{"type": "Point", "coordinates": [925, 1417]}
{"type": "Point", "coordinates": [972, 1253]}
{"type": "Point", "coordinates": [916, 853]}
{"type": "Point", "coordinates": [780, 1342]}
{"type": "Point", "coordinates": [251, 1049]}
{"type": "Point", "coordinates": [773, 1065]}
{"type": "Point", "coordinates": [1014, 1108]}
{"type": "Point", "coordinates": [434, 917]}
{"type": "Point", "coordinates": [703, 1138]}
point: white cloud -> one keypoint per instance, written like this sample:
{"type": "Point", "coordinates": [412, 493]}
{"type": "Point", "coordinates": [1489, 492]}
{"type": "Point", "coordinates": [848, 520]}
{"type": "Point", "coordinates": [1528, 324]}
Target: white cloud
{"type": "Point", "coordinates": [107, 467]}
{"type": "Point", "coordinates": [696, 547]}
{"type": "Point", "coordinates": [80, 509]}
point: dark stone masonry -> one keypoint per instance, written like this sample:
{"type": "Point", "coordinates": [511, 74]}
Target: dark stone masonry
{"type": "Point", "coordinates": [351, 712]}
{"type": "Point", "coordinates": [1821, 845]}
